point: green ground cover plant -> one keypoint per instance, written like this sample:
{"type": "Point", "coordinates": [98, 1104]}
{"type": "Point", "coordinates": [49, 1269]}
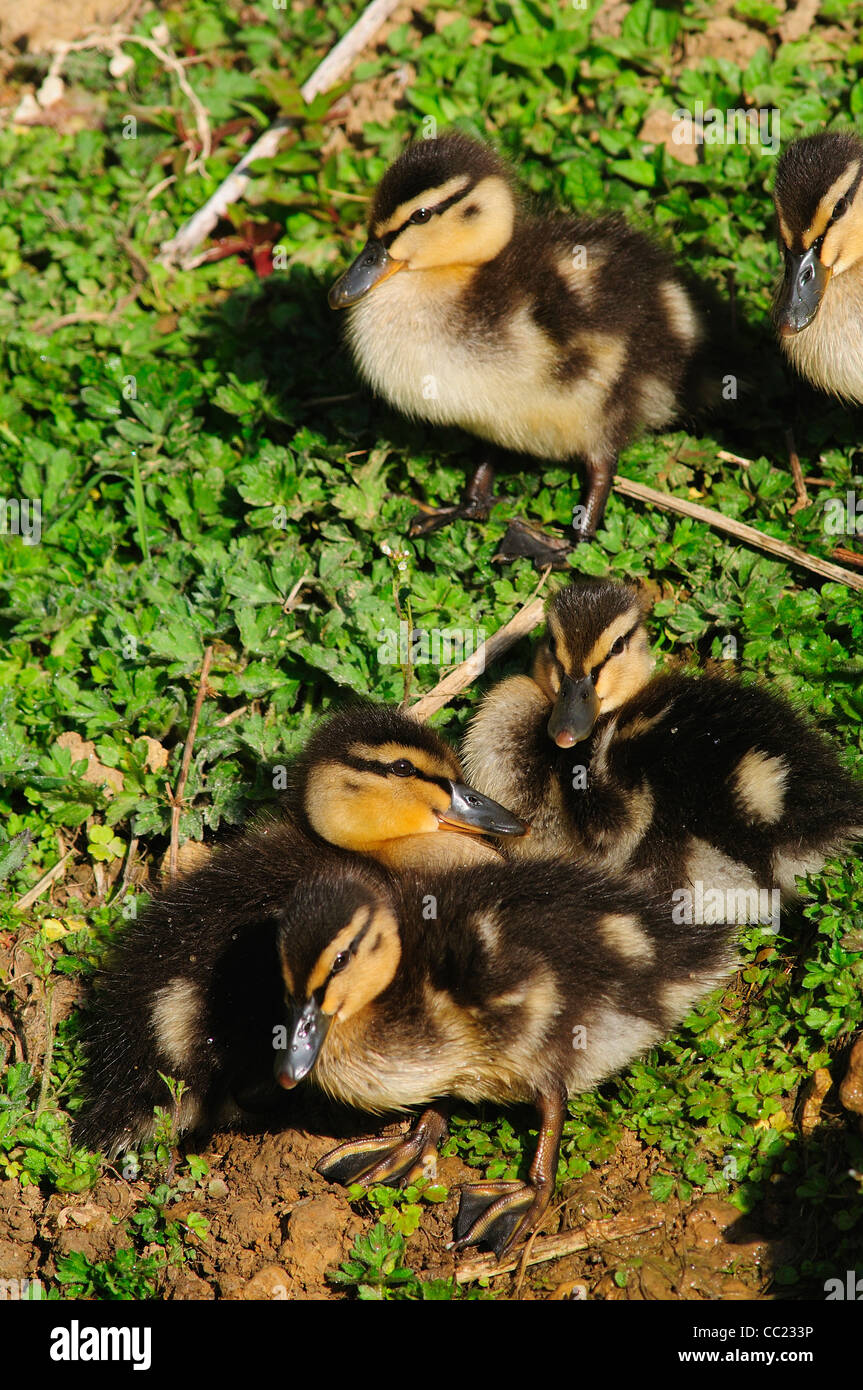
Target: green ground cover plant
{"type": "Point", "coordinates": [211, 475]}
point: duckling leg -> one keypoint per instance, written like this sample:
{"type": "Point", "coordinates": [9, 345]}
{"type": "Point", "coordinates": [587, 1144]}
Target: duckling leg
{"type": "Point", "coordinates": [503, 1213]}
{"type": "Point", "coordinates": [390, 1161]}
{"type": "Point", "coordinates": [477, 501]}
{"type": "Point", "coordinates": [587, 518]}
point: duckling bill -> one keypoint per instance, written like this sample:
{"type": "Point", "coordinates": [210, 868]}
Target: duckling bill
{"type": "Point", "coordinates": [553, 336]}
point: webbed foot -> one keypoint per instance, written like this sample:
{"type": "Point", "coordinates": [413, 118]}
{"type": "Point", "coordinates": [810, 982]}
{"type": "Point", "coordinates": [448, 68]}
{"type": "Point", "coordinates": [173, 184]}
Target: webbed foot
{"type": "Point", "coordinates": [394, 1161]}
{"type": "Point", "coordinates": [477, 501]}
{"type": "Point", "coordinates": [525, 542]}
{"type": "Point", "coordinates": [498, 1214]}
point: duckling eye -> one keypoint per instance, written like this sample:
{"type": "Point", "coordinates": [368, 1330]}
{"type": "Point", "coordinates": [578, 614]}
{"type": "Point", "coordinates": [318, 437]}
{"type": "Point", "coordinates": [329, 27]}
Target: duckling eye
{"type": "Point", "coordinates": [340, 962]}
{"type": "Point", "coordinates": [421, 215]}
{"type": "Point", "coordinates": [841, 206]}
{"type": "Point", "coordinates": [403, 767]}
{"type": "Point", "coordinates": [618, 646]}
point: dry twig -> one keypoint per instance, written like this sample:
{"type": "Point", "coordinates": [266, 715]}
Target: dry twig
{"type": "Point", "coordinates": [44, 883]}
{"type": "Point", "coordinates": [748, 534]}
{"type": "Point", "coordinates": [177, 798]}
{"type": "Point", "coordinates": [525, 620]}
{"type": "Point", "coordinates": [555, 1247]}
{"type": "Point", "coordinates": [178, 251]}
{"type": "Point", "coordinates": [341, 59]}
{"type": "Point", "coordinates": [802, 496]}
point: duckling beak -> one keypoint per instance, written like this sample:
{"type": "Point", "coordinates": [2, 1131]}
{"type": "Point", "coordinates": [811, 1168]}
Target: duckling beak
{"type": "Point", "coordinates": [373, 265]}
{"type": "Point", "coordinates": [575, 712]}
{"type": "Point", "coordinates": [476, 814]}
{"type": "Point", "coordinates": [802, 291]}
{"type": "Point", "coordinates": [308, 1027]}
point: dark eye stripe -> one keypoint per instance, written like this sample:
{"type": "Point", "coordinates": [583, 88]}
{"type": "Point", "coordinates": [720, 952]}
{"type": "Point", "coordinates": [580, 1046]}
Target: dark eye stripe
{"type": "Point", "coordinates": [385, 769]}
{"type": "Point", "coordinates": [626, 636]}
{"type": "Point", "coordinates": [438, 208]}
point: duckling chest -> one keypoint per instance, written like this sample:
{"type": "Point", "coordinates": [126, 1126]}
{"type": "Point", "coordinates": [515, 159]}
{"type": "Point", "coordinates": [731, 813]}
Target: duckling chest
{"type": "Point", "coordinates": [419, 350]}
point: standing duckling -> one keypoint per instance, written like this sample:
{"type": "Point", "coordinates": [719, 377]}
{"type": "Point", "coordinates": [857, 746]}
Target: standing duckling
{"type": "Point", "coordinates": [687, 780]}
{"type": "Point", "coordinates": [183, 983]}
{"type": "Point", "coordinates": [819, 309]}
{"type": "Point", "coordinates": [553, 336]}
{"type": "Point", "coordinates": [539, 981]}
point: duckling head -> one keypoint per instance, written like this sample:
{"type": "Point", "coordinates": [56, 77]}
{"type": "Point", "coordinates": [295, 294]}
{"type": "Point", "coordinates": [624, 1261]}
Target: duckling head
{"type": "Point", "coordinates": [819, 208]}
{"type": "Point", "coordinates": [594, 657]}
{"type": "Point", "coordinates": [339, 948]}
{"type": "Point", "coordinates": [372, 775]}
{"type": "Point", "coordinates": [445, 205]}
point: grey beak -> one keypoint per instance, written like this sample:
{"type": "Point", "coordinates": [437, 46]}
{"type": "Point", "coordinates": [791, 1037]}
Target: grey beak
{"type": "Point", "coordinates": [575, 712]}
{"type": "Point", "coordinates": [470, 810]}
{"type": "Point", "coordinates": [372, 265]}
{"type": "Point", "coordinates": [308, 1027]}
{"type": "Point", "coordinates": [802, 291]}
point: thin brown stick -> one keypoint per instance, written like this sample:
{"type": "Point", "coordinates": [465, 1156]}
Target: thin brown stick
{"type": "Point", "coordinates": [43, 885]}
{"type": "Point", "coordinates": [127, 868]}
{"type": "Point", "coordinates": [48, 1055]}
{"type": "Point", "coordinates": [177, 798]}
{"type": "Point", "coordinates": [802, 496]}
{"type": "Point", "coordinates": [229, 718]}
{"type": "Point", "coordinates": [525, 620]}
{"type": "Point", "coordinates": [726, 457]}
{"type": "Point", "coordinates": [849, 557]}
{"type": "Point", "coordinates": [748, 534]}
{"type": "Point", "coordinates": [49, 326]}
{"type": "Point", "coordinates": [555, 1247]}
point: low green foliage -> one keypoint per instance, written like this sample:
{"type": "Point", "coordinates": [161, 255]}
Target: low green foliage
{"type": "Point", "coordinates": [210, 475]}
{"type": "Point", "coordinates": [376, 1273]}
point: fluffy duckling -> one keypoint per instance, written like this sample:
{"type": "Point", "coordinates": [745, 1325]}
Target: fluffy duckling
{"type": "Point", "coordinates": [372, 782]}
{"type": "Point", "coordinates": [376, 781]}
{"type": "Point", "coordinates": [539, 981]}
{"type": "Point", "coordinates": [552, 336]}
{"type": "Point", "coordinates": [819, 309]}
{"type": "Point", "coordinates": [190, 991]}
{"type": "Point", "coordinates": [699, 783]}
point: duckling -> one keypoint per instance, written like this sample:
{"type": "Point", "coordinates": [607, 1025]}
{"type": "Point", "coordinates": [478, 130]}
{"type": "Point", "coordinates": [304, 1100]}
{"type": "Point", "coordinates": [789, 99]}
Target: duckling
{"type": "Point", "coordinates": [539, 981]}
{"type": "Point", "coordinates": [697, 783]}
{"type": "Point", "coordinates": [553, 336]}
{"type": "Point", "coordinates": [376, 781]}
{"type": "Point", "coordinates": [371, 782]}
{"type": "Point", "coordinates": [819, 307]}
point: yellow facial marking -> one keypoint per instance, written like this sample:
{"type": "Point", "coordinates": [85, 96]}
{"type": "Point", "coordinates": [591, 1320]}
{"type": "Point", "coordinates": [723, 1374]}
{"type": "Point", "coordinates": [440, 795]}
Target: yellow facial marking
{"type": "Point", "coordinates": [545, 672]}
{"type": "Point", "coordinates": [843, 242]}
{"type": "Point", "coordinates": [368, 974]}
{"type": "Point", "coordinates": [599, 651]}
{"type": "Point", "coordinates": [824, 211]}
{"type": "Point", "coordinates": [429, 198]}
{"type": "Point", "coordinates": [450, 239]}
{"type": "Point", "coordinates": [340, 943]}
{"type": "Point", "coordinates": [624, 675]}
{"type": "Point", "coordinates": [561, 646]}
